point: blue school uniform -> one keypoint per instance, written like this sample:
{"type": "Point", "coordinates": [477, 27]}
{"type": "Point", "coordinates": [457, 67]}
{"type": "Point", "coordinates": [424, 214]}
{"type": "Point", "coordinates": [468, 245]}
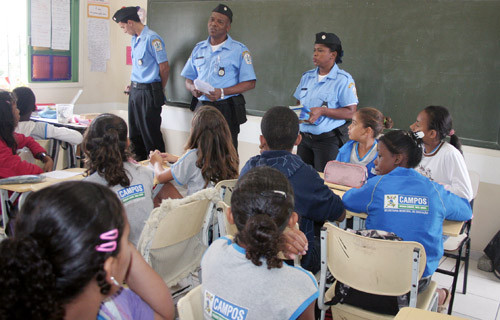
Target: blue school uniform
{"type": "Point", "coordinates": [148, 51]}
{"type": "Point", "coordinates": [410, 205]}
{"type": "Point", "coordinates": [225, 67]}
{"type": "Point", "coordinates": [344, 155]}
{"type": "Point", "coordinates": [336, 90]}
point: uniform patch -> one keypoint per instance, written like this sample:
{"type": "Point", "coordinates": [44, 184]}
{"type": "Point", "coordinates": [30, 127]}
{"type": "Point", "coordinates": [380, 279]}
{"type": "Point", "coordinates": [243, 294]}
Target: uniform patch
{"type": "Point", "coordinates": [247, 57]}
{"type": "Point", "coordinates": [406, 203]}
{"type": "Point", "coordinates": [217, 308]}
{"type": "Point", "coordinates": [353, 88]}
{"type": "Point", "coordinates": [130, 193]}
{"type": "Point", "coordinates": [157, 45]}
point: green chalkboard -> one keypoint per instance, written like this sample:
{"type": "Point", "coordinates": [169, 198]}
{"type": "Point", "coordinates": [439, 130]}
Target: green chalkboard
{"type": "Point", "coordinates": [403, 54]}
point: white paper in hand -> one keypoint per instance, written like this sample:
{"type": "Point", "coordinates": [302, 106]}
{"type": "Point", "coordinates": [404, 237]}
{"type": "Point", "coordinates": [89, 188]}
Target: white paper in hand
{"type": "Point", "coordinates": [203, 86]}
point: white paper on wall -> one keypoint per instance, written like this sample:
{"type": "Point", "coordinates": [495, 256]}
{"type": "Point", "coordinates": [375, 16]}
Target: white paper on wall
{"type": "Point", "coordinates": [40, 23]}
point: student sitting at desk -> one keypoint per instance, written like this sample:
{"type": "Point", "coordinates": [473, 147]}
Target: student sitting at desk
{"type": "Point", "coordinates": [26, 103]}
{"type": "Point", "coordinates": [10, 163]}
{"type": "Point", "coordinates": [402, 201]}
{"type": "Point", "coordinates": [314, 201]}
{"type": "Point", "coordinates": [367, 124]}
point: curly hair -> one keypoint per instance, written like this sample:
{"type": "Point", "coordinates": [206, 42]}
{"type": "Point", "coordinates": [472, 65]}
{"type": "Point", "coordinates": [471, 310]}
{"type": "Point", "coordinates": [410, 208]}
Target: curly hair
{"type": "Point", "coordinates": [439, 119]}
{"type": "Point", "coordinates": [217, 157]}
{"type": "Point", "coordinates": [7, 122]}
{"type": "Point", "coordinates": [262, 203]}
{"type": "Point", "coordinates": [404, 142]}
{"type": "Point", "coordinates": [52, 257]}
{"type": "Point", "coordinates": [373, 118]}
{"type": "Point", "coordinates": [106, 149]}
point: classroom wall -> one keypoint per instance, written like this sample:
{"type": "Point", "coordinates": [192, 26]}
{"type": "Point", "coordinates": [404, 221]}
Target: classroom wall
{"type": "Point", "coordinates": [104, 92]}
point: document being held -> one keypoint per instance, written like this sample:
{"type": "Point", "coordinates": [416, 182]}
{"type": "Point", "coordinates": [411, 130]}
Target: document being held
{"type": "Point", "coordinates": [203, 86]}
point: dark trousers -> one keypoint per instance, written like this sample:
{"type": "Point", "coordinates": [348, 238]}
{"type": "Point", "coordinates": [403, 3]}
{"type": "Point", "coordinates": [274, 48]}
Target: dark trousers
{"type": "Point", "coordinates": [233, 110]}
{"type": "Point", "coordinates": [317, 150]}
{"type": "Point", "coordinates": [144, 117]}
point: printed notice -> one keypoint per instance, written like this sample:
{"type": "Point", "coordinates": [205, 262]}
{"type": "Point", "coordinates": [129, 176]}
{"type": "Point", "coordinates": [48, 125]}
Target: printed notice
{"type": "Point", "coordinates": [98, 11]}
{"type": "Point", "coordinates": [61, 24]}
{"type": "Point", "coordinates": [40, 23]}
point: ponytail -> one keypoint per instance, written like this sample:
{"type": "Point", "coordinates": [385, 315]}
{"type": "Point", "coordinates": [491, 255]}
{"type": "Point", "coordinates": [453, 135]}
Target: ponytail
{"type": "Point", "coordinates": [28, 282]}
{"type": "Point", "coordinates": [105, 148]}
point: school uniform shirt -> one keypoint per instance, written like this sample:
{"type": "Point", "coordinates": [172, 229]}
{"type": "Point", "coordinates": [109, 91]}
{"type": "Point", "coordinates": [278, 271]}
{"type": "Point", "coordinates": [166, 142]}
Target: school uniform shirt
{"type": "Point", "coordinates": [314, 201]}
{"type": "Point", "coordinates": [227, 66]}
{"type": "Point", "coordinates": [234, 288]}
{"type": "Point", "coordinates": [336, 90]}
{"type": "Point", "coordinates": [447, 166]}
{"type": "Point", "coordinates": [148, 51]}
{"type": "Point", "coordinates": [187, 174]}
{"type": "Point", "coordinates": [136, 198]}
{"type": "Point", "coordinates": [42, 130]}
{"type": "Point", "coordinates": [410, 205]}
{"type": "Point", "coordinates": [125, 305]}
{"type": "Point", "coordinates": [11, 164]}
{"type": "Point", "coordinates": [349, 154]}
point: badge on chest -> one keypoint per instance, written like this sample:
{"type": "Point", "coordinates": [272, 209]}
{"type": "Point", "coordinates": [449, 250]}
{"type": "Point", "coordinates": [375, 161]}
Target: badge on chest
{"type": "Point", "coordinates": [222, 72]}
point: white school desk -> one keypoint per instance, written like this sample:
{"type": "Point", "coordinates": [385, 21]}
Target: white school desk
{"type": "Point", "coordinates": [24, 189]}
{"type": "Point", "coordinates": [450, 228]}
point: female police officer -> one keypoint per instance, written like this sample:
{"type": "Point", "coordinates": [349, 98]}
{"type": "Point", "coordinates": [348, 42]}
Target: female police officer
{"type": "Point", "coordinates": [328, 96]}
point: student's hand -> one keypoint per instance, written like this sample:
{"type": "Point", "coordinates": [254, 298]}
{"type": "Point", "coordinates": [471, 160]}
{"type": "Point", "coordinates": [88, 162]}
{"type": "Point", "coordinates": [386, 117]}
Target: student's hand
{"type": "Point", "coordinates": [48, 164]}
{"type": "Point", "coordinates": [295, 243]}
{"type": "Point", "coordinates": [169, 157]}
{"type": "Point", "coordinates": [214, 95]}
{"type": "Point", "coordinates": [155, 157]}
{"type": "Point", "coordinates": [315, 113]}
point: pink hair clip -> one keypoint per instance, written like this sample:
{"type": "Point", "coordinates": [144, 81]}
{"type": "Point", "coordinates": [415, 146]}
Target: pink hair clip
{"type": "Point", "coordinates": [109, 246]}
{"type": "Point", "coordinates": [452, 132]}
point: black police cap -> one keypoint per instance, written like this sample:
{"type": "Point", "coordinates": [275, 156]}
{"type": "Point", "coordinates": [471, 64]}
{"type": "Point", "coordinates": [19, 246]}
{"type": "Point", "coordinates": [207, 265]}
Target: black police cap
{"type": "Point", "coordinates": [327, 38]}
{"type": "Point", "coordinates": [223, 9]}
{"type": "Point", "coordinates": [126, 13]}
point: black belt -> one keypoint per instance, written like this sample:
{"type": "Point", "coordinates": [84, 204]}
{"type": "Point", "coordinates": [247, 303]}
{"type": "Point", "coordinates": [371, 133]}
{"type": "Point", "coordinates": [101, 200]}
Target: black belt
{"type": "Point", "coordinates": [333, 133]}
{"type": "Point", "coordinates": [143, 86]}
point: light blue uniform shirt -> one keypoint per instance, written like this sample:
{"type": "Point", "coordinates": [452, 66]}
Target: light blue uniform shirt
{"type": "Point", "coordinates": [148, 51]}
{"type": "Point", "coordinates": [336, 90]}
{"type": "Point", "coordinates": [227, 66]}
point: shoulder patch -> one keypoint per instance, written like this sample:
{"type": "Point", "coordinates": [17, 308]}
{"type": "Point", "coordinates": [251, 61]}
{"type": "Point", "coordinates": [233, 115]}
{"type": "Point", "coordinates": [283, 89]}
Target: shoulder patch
{"type": "Point", "coordinates": [247, 57]}
{"type": "Point", "coordinates": [157, 44]}
{"type": "Point", "coordinates": [352, 86]}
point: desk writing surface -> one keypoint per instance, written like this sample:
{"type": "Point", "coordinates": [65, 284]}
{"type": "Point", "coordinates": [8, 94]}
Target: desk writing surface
{"type": "Point", "coordinates": [75, 126]}
{"type": "Point", "coordinates": [26, 187]}
{"type": "Point", "coordinates": [408, 313]}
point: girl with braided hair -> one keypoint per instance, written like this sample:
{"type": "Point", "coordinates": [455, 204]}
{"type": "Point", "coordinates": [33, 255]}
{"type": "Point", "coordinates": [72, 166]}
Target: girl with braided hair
{"type": "Point", "coordinates": [70, 255]}
{"type": "Point", "coordinates": [244, 278]}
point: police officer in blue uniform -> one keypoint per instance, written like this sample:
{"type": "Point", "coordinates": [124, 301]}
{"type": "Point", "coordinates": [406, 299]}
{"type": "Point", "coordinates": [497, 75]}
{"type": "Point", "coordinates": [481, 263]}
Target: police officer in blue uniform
{"type": "Point", "coordinates": [149, 76]}
{"type": "Point", "coordinates": [226, 65]}
{"type": "Point", "coordinates": [328, 96]}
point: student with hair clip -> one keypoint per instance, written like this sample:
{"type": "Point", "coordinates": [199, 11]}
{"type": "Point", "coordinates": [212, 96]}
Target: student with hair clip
{"type": "Point", "coordinates": [209, 156]}
{"type": "Point", "coordinates": [70, 255]}
{"type": "Point", "coordinates": [314, 201]}
{"type": "Point", "coordinates": [10, 163]}
{"type": "Point", "coordinates": [402, 201]}
{"type": "Point", "coordinates": [109, 162]}
{"type": "Point", "coordinates": [26, 103]}
{"type": "Point", "coordinates": [367, 124]}
{"type": "Point", "coordinates": [244, 277]}
{"type": "Point", "coordinates": [442, 162]}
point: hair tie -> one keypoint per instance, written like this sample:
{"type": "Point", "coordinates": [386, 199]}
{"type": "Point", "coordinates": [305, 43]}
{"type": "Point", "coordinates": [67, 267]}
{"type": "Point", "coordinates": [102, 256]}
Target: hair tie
{"type": "Point", "coordinates": [109, 246]}
{"type": "Point", "coordinates": [452, 132]}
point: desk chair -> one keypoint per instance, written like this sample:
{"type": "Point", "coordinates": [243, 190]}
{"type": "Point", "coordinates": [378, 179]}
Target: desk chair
{"type": "Point", "coordinates": [190, 307]}
{"type": "Point", "coordinates": [454, 248]}
{"type": "Point", "coordinates": [419, 314]}
{"type": "Point", "coordinates": [374, 266]}
{"type": "Point", "coordinates": [175, 236]}
{"type": "Point", "coordinates": [225, 189]}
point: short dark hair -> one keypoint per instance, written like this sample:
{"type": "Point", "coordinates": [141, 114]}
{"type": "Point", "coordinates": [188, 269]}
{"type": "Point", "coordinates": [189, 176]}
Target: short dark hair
{"type": "Point", "coordinates": [52, 256]}
{"type": "Point", "coordinates": [406, 143]}
{"type": "Point", "coordinates": [262, 203]}
{"type": "Point", "coordinates": [280, 128]}
{"type": "Point", "coordinates": [26, 101]}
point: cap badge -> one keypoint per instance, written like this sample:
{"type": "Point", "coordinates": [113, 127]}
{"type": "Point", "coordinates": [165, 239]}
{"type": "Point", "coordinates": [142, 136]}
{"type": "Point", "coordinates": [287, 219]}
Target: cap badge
{"type": "Point", "coordinates": [323, 37]}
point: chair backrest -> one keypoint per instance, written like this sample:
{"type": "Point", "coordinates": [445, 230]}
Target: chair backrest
{"type": "Point", "coordinates": [190, 306]}
{"type": "Point", "coordinates": [225, 188]}
{"type": "Point", "coordinates": [174, 237]}
{"type": "Point", "coordinates": [375, 266]}
{"type": "Point", "coordinates": [225, 228]}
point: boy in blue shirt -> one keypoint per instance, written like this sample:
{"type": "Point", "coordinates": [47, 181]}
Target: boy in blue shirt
{"type": "Point", "coordinates": [314, 201]}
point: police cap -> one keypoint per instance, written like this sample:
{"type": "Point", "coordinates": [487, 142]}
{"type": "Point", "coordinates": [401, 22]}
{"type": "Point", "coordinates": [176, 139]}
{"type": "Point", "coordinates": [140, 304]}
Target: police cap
{"type": "Point", "coordinates": [223, 9]}
{"type": "Point", "coordinates": [125, 14]}
{"type": "Point", "coordinates": [327, 38]}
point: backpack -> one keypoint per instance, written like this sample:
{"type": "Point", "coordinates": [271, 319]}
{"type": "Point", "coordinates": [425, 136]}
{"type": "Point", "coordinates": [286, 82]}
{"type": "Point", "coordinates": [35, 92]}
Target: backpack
{"type": "Point", "coordinates": [492, 250]}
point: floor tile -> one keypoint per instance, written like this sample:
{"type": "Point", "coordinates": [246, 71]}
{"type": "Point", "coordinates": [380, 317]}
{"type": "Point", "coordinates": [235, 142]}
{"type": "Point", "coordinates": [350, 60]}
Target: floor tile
{"type": "Point", "coordinates": [464, 316]}
{"type": "Point", "coordinates": [474, 306]}
{"type": "Point", "coordinates": [482, 287]}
